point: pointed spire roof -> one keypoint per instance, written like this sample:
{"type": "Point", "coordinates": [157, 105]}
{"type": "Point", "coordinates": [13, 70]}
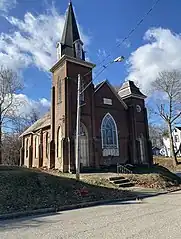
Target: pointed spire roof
{"type": "Point", "coordinates": [70, 32]}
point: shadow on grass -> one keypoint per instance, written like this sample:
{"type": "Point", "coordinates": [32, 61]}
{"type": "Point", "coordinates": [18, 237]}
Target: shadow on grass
{"type": "Point", "coordinates": [25, 189]}
{"type": "Point", "coordinates": [28, 189]}
{"type": "Point", "coordinates": [156, 169]}
{"type": "Point", "coordinates": [50, 218]}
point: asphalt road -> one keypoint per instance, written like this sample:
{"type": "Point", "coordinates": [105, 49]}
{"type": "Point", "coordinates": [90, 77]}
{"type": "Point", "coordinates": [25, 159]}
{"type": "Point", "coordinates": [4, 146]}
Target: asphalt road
{"type": "Point", "coordinates": [156, 218]}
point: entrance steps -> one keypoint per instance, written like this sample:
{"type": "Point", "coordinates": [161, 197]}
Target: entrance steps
{"type": "Point", "coordinates": [121, 182]}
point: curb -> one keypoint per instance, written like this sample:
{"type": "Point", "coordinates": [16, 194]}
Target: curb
{"type": "Point", "coordinates": [77, 206]}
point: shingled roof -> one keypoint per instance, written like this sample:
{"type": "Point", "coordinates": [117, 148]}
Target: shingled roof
{"type": "Point", "coordinates": [130, 89]}
{"type": "Point", "coordinates": [70, 33]}
{"type": "Point", "coordinates": [45, 121]}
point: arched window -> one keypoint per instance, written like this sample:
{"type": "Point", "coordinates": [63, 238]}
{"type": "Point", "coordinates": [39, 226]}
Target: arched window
{"type": "Point", "coordinates": [109, 133]}
{"type": "Point", "coordinates": [47, 144]}
{"type": "Point", "coordinates": [27, 147]}
{"type": "Point", "coordinates": [36, 146]}
{"type": "Point", "coordinates": [59, 140]}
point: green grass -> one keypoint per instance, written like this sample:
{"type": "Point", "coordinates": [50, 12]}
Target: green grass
{"type": "Point", "coordinates": [27, 189]}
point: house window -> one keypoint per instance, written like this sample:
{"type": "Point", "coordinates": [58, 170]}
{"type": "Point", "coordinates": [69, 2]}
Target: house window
{"type": "Point", "coordinates": [47, 145]}
{"type": "Point", "coordinates": [109, 133]}
{"type": "Point", "coordinates": [36, 146]}
{"type": "Point", "coordinates": [176, 138]}
{"type": "Point", "coordinates": [59, 140]}
{"type": "Point", "coordinates": [27, 147]}
{"type": "Point", "coordinates": [59, 90]}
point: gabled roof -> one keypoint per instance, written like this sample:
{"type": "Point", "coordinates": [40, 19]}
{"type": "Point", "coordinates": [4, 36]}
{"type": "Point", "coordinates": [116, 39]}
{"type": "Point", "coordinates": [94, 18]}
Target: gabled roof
{"type": "Point", "coordinates": [178, 127]}
{"type": "Point", "coordinates": [129, 89]}
{"type": "Point", "coordinates": [97, 87]}
{"type": "Point", "coordinates": [45, 121]}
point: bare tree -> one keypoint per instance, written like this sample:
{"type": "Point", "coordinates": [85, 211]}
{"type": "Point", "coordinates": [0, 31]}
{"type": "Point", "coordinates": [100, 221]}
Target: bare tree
{"type": "Point", "coordinates": [156, 135]}
{"type": "Point", "coordinates": [11, 140]}
{"type": "Point", "coordinates": [20, 122]}
{"type": "Point", "coordinates": [9, 86]}
{"type": "Point", "coordinates": [168, 107]}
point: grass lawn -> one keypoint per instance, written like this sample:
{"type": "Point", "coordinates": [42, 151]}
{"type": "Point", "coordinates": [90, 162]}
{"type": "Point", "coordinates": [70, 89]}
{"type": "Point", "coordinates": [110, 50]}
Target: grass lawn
{"type": "Point", "coordinates": [26, 189]}
{"type": "Point", "coordinates": [156, 176]}
{"type": "Point", "coordinates": [167, 163]}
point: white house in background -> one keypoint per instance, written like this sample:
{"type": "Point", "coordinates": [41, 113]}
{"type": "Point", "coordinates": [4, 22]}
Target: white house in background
{"type": "Point", "coordinates": [177, 141]}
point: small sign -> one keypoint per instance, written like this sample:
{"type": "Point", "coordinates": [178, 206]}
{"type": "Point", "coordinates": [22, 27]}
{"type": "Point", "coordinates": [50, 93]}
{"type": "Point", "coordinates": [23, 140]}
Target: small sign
{"type": "Point", "coordinates": [107, 101]}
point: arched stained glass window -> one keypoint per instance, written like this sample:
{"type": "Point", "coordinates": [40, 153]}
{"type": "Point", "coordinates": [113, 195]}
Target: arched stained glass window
{"type": "Point", "coordinates": [109, 132]}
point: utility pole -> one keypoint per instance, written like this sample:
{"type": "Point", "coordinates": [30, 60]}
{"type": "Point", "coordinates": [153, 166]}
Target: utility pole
{"type": "Point", "coordinates": [79, 92]}
{"type": "Point", "coordinates": [77, 152]}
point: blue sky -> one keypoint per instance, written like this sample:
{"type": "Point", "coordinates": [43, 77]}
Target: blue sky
{"type": "Point", "coordinates": [28, 27]}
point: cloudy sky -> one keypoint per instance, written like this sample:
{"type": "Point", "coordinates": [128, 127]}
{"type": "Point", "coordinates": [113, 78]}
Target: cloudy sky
{"type": "Point", "coordinates": [29, 31]}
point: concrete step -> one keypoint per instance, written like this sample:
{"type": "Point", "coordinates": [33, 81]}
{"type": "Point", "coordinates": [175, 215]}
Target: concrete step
{"type": "Point", "coordinates": [124, 185]}
{"type": "Point", "coordinates": [120, 181]}
{"type": "Point", "coordinates": [116, 178]}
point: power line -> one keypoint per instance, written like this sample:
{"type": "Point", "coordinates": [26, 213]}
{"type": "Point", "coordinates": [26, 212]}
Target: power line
{"type": "Point", "coordinates": [103, 67]}
{"type": "Point", "coordinates": [135, 28]}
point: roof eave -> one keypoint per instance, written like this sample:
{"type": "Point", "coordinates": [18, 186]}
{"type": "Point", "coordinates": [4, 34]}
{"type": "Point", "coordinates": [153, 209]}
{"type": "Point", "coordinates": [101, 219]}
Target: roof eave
{"type": "Point", "coordinates": [71, 59]}
{"type": "Point", "coordinates": [34, 131]}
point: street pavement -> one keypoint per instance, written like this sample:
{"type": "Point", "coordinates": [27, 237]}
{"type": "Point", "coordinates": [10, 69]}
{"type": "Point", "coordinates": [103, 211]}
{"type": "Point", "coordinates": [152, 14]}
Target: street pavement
{"type": "Point", "coordinates": [152, 218]}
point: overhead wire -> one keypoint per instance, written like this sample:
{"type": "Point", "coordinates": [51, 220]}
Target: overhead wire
{"type": "Point", "coordinates": [102, 68]}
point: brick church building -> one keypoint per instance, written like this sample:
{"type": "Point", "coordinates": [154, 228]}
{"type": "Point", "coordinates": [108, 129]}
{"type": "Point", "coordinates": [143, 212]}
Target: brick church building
{"type": "Point", "coordinates": [114, 125]}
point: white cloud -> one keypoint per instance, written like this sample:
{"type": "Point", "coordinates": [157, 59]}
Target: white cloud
{"type": "Point", "coordinates": [161, 52]}
{"type": "Point", "coordinates": [33, 40]}
{"type": "Point", "coordinates": [6, 5]}
{"type": "Point", "coordinates": [41, 106]}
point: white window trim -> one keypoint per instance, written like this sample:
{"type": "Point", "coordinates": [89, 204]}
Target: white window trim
{"type": "Point", "coordinates": [117, 143]}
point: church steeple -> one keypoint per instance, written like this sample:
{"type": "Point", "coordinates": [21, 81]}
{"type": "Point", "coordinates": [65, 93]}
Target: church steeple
{"type": "Point", "coordinates": [71, 44]}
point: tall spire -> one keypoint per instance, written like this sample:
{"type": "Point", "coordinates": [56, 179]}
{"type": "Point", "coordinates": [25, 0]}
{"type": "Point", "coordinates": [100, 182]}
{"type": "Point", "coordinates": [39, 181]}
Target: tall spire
{"type": "Point", "coordinates": [70, 42]}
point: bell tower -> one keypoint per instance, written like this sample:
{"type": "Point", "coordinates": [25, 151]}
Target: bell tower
{"type": "Point", "coordinates": [70, 62]}
{"type": "Point", "coordinates": [71, 44]}
{"type": "Point", "coordinates": [140, 147]}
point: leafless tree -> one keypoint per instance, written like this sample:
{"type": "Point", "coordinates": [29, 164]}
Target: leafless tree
{"type": "Point", "coordinates": [20, 122]}
{"type": "Point", "coordinates": [156, 133]}
{"type": "Point", "coordinates": [9, 86]}
{"type": "Point", "coordinates": [11, 140]}
{"type": "Point", "coordinates": [168, 106]}
{"type": "Point", "coordinates": [11, 148]}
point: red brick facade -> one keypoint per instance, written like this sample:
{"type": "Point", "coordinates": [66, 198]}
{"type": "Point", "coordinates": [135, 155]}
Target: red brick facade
{"type": "Point", "coordinates": [131, 124]}
{"type": "Point", "coordinates": [114, 126]}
